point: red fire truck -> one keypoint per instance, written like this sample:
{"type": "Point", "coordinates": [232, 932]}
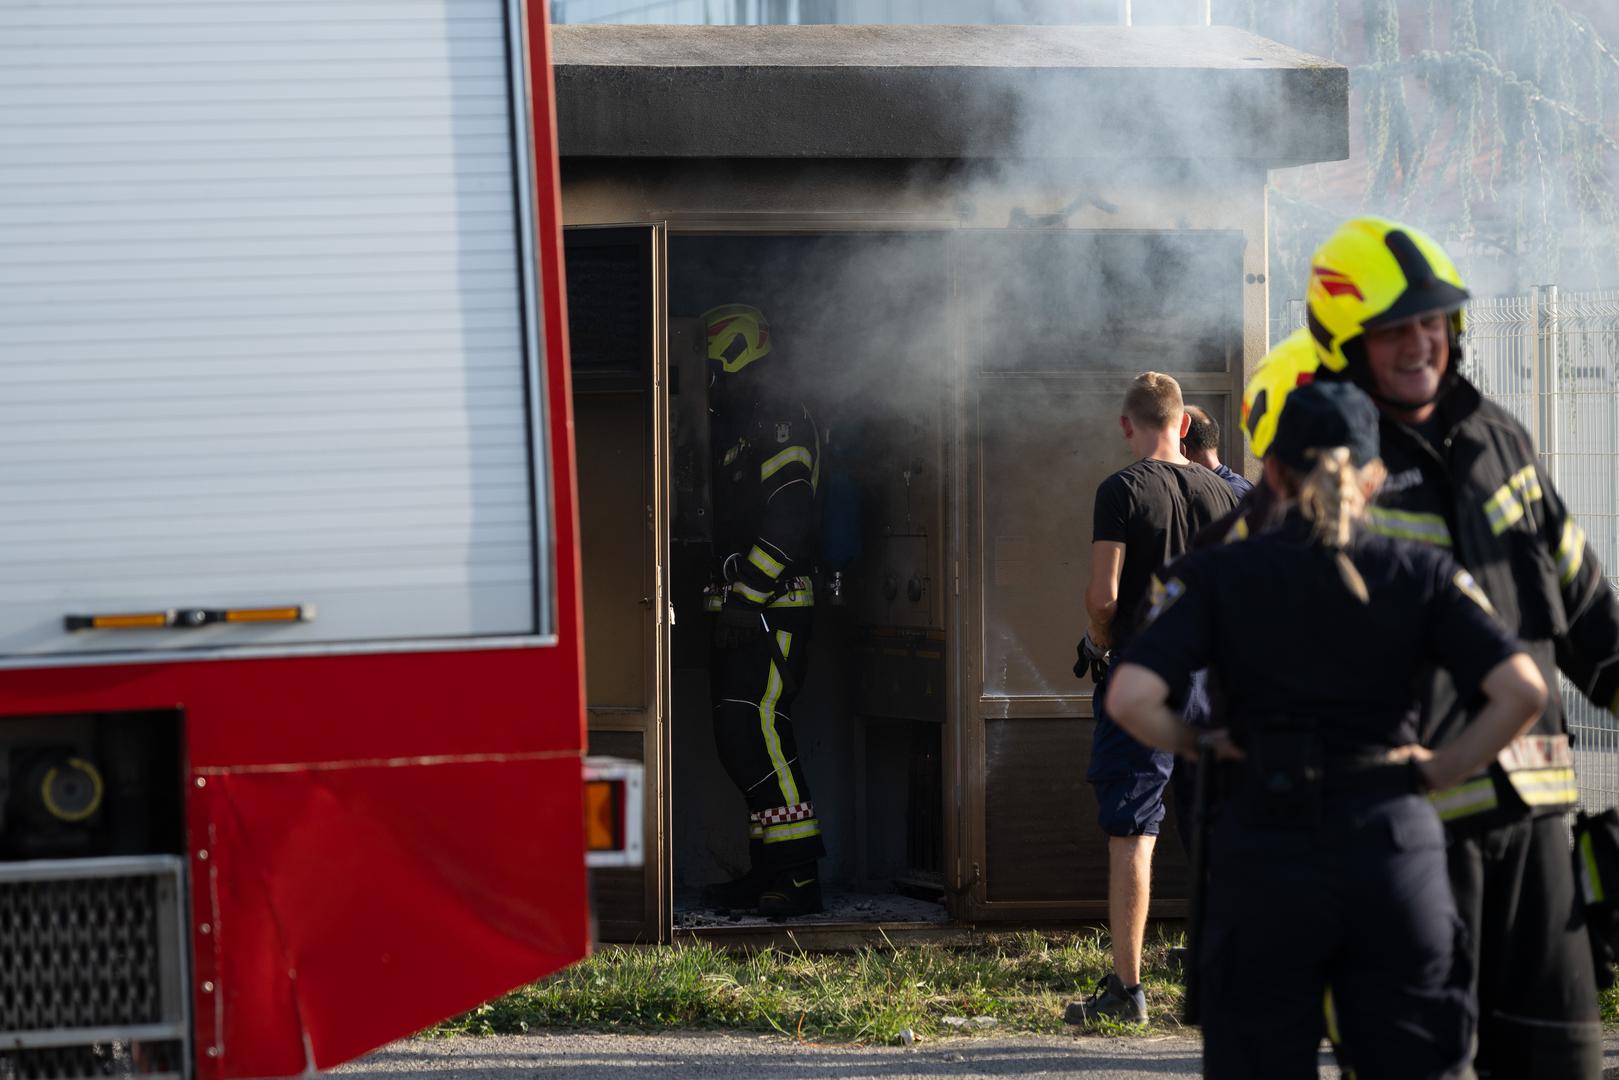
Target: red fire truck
{"type": "Point", "coordinates": [290, 669]}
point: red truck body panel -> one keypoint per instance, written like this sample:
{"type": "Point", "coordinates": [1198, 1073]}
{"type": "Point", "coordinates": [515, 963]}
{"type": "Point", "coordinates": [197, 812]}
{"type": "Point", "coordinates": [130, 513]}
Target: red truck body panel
{"type": "Point", "coordinates": [377, 841]}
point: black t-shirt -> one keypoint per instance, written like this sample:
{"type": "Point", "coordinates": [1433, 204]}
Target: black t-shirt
{"type": "Point", "coordinates": [1283, 638]}
{"type": "Point", "coordinates": [1154, 508]}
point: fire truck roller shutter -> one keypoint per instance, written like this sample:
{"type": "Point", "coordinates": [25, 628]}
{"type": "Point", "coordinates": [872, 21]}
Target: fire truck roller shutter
{"type": "Point", "coordinates": [267, 338]}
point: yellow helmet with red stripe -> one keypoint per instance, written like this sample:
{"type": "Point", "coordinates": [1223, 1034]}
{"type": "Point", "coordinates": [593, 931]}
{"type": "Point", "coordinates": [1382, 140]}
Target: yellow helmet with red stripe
{"type": "Point", "coordinates": [737, 336]}
{"type": "Point", "coordinates": [1288, 366]}
{"type": "Point", "coordinates": [1373, 272]}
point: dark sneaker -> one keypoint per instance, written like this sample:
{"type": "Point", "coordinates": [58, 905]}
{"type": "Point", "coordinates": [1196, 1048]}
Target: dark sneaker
{"type": "Point", "coordinates": [791, 892]}
{"type": "Point", "coordinates": [738, 894]}
{"type": "Point", "coordinates": [1111, 1000]}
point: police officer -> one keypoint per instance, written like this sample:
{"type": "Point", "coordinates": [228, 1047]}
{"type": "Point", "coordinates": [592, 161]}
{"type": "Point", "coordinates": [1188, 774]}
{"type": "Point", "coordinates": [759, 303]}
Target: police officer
{"type": "Point", "coordinates": [1329, 877]}
{"type": "Point", "coordinates": [1386, 312]}
{"type": "Point", "coordinates": [765, 474]}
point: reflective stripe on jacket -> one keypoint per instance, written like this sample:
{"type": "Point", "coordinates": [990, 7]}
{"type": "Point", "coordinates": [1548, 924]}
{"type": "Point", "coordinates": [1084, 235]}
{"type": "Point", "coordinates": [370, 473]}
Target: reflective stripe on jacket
{"type": "Point", "coordinates": [1481, 492]}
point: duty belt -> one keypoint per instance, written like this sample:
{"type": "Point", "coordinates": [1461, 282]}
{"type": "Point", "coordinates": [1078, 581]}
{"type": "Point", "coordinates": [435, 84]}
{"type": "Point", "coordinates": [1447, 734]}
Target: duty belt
{"type": "Point", "coordinates": [793, 592]}
{"type": "Point", "coordinates": [1288, 773]}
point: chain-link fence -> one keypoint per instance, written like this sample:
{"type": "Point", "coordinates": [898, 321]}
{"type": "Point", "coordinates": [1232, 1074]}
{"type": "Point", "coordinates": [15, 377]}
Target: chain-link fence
{"type": "Point", "coordinates": [1552, 360]}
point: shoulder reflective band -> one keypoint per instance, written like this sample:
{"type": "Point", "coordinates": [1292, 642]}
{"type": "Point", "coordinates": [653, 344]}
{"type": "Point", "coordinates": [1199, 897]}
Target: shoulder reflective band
{"type": "Point", "coordinates": [1505, 508]}
{"type": "Point", "coordinates": [1405, 525]}
{"type": "Point", "coordinates": [780, 461]}
{"type": "Point", "coordinates": [1570, 552]}
{"type": "Point", "coordinates": [189, 618]}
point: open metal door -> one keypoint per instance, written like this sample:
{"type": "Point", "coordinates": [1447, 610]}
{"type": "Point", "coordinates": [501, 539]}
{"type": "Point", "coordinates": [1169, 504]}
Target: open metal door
{"type": "Point", "coordinates": [617, 330]}
{"type": "Point", "coordinates": [1049, 358]}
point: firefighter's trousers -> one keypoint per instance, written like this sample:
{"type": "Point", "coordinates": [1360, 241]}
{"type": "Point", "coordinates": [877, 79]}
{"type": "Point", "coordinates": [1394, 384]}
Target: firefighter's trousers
{"type": "Point", "coordinates": [753, 729]}
{"type": "Point", "coordinates": [1514, 887]}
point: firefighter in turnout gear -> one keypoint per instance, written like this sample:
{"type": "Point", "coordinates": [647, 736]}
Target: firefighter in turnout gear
{"type": "Point", "coordinates": [1386, 312]}
{"type": "Point", "coordinates": [766, 470]}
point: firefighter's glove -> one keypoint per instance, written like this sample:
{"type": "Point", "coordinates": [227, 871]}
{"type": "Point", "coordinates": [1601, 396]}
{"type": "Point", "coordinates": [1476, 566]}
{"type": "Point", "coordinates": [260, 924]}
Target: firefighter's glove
{"type": "Point", "coordinates": [1093, 660]}
{"type": "Point", "coordinates": [739, 626]}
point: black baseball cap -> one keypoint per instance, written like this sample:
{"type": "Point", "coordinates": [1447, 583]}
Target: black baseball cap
{"type": "Point", "coordinates": [1323, 414]}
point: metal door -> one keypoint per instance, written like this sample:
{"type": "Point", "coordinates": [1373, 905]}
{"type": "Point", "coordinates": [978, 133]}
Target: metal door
{"type": "Point", "coordinates": [1052, 346]}
{"type": "Point", "coordinates": [617, 327]}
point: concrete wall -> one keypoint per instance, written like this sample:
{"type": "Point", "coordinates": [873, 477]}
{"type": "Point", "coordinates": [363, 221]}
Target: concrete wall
{"type": "Point", "coordinates": [748, 12]}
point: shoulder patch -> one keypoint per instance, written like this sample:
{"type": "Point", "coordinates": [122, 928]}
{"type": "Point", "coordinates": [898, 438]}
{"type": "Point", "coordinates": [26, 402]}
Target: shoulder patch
{"type": "Point", "coordinates": [1163, 595]}
{"type": "Point", "coordinates": [784, 431]}
{"type": "Point", "coordinates": [1470, 589]}
{"type": "Point", "coordinates": [1401, 481]}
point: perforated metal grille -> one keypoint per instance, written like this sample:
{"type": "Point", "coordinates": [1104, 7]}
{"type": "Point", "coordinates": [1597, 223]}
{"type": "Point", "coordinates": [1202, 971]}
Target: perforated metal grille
{"type": "Point", "coordinates": [80, 953]}
{"type": "Point", "coordinates": [150, 1060]}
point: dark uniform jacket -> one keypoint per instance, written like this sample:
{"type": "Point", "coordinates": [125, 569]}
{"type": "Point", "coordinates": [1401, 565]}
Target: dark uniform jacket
{"type": "Point", "coordinates": [1477, 490]}
{"type": "Point", "coordinates": [766, 473]}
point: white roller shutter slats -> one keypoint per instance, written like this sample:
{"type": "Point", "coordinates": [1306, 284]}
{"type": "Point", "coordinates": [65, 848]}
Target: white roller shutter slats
{"type": "Point", "coordinates": [262, 326]}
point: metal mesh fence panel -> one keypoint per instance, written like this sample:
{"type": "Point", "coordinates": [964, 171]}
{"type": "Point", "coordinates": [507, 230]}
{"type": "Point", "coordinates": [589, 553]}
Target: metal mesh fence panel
{"type": "Point", "coordinates": [1552, 360]}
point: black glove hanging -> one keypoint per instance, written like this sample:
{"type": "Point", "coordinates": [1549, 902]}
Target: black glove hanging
{"type": "Point", "coordinates": [738, 626]}
{"type": "Point", "coordinates": [1092, 659]}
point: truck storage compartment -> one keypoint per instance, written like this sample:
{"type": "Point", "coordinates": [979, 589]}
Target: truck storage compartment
{"type": "Point", "coordinates": [269, 360]}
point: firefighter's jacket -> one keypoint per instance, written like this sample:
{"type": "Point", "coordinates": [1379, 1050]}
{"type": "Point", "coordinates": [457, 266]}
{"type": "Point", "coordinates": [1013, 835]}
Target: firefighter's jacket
{"type": "Point", "coordinates": [766, 474]}
{"type": "Point", "coordinates": [1479, 490]}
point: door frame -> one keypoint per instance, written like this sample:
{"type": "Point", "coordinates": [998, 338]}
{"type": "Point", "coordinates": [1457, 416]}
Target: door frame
{"type": "Point", "coordinates": [651, 721]}
{"type": "Point", "coordinates": [696, 224]}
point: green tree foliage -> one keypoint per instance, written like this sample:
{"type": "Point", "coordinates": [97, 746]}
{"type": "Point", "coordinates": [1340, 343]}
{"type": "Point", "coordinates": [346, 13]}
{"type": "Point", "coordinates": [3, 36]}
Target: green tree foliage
{"type": "Point", "coordinates": [1492, 123]}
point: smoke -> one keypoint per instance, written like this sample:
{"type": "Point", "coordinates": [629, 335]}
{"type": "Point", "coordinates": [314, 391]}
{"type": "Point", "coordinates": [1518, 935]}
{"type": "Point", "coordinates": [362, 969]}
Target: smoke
{"type": "Point", "coordinates": [1488, 124]}
{"type": "Point", "coordinates": [1096, 224]}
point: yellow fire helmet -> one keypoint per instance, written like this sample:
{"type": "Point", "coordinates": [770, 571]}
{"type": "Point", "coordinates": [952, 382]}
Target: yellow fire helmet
{"type": "Point", "coordinates": [1373, 272]}
{"type": "Point", "coordinates": [737, 336]}
{"type": "Point", "coordinates": [1288, 366]}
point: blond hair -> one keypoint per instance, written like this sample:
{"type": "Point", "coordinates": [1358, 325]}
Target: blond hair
{"type": "Point", "coordinates": [1332, 497]}
{"type": "Point", "coordinates": [1154, 400]}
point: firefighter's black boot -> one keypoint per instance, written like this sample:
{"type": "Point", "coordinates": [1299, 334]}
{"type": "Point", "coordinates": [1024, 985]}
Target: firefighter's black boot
{"type": "Point", "coordinates": [793, 891]}
{"type": "Point", "coordinates": [740, 893]}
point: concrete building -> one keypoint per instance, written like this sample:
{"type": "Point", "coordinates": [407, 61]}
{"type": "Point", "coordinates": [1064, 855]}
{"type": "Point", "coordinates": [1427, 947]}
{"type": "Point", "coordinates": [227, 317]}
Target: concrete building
{"type": "Point", "coordinates": [856, 12]}
{"type": "Point", "coordinates": [968, 240]}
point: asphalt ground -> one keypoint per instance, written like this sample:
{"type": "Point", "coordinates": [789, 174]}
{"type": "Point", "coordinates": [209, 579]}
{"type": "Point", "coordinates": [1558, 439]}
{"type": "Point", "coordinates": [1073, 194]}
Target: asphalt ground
{"type": "Point", "coordinates": [722, 1055]}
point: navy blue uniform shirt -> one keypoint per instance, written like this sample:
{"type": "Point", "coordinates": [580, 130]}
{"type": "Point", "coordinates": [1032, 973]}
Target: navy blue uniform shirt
{"type": "Point", "coordinates": [1283, 636]}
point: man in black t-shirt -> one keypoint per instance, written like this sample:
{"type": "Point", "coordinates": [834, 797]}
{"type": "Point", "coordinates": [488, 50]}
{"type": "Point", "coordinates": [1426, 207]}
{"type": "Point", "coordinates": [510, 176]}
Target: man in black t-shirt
{"type": "Point", "coordinates": [1146, 515]}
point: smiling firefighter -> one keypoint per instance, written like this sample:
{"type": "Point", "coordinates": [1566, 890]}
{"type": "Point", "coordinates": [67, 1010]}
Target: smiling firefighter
{"type": "Point", "coordinates": [1386, 312]}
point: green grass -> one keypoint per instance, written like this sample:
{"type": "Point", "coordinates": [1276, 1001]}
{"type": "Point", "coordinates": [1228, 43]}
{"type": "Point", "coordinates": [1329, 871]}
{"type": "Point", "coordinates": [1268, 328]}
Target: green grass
{"type": "Point", "coordinates": [1021, 979]}
{"type": "Point", "coordinates": [1609, 1001]}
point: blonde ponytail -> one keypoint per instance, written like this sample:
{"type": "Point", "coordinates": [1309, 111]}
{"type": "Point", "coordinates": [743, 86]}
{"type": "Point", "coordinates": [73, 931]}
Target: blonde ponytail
{"type": "Point", "coordinates": [1332, 498]}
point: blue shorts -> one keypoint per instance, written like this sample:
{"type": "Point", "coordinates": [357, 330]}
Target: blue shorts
{"type": "Point", "coordinates": [1131, 805]}
{"type": "Point", "coordinates": [1129, 778]}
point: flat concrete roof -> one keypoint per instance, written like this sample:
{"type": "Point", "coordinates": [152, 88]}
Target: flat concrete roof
{"type": "Point", "coordinates": [945, 92]}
